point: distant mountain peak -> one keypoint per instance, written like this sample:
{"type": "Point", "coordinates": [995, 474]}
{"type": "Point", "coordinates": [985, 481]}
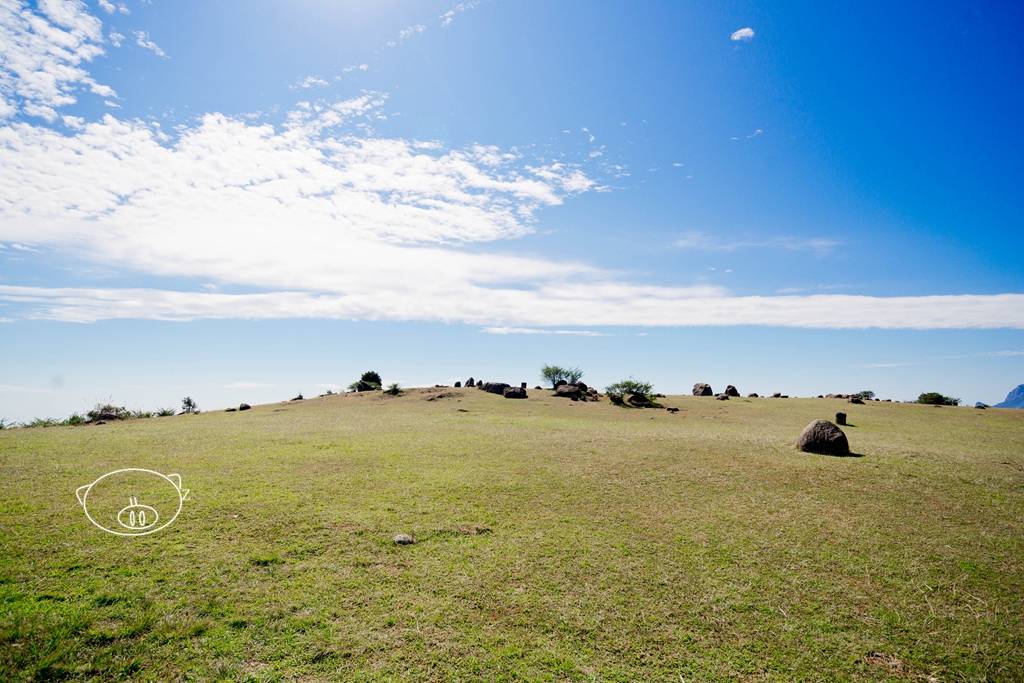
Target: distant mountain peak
{"type": "Point", "coordinates": [1014, 399]}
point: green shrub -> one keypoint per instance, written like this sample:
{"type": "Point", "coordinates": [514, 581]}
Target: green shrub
{"type": "Point", "coordinates": [188, 406]}
{"type": "Point", "coordinates": [42, 422]}
{"type": "Point", "coordinates": [865, 395]}
{"type": "Point", "coordinates": [934, 398]}
{"type": "Point", "coordinates": [628, 386]}
{"type": "Point", "coordinates": [369, 381]}
{"type": "Point", "coordinates": [164, 412]}
{"type": "Point", "coordinates": [75, 419]}
{"type": "Point", "coordinates": [393, 389]}
{"type": "Point", "coordinates": [108, 411]}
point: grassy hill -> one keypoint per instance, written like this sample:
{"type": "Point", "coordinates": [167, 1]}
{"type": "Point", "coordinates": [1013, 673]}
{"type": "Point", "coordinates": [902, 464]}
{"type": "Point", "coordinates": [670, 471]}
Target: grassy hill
{"type": "Point", "coordinates": [555, 541]}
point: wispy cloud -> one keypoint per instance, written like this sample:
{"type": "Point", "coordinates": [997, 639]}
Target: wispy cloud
{"type": "Point", "coordinates": [143, 40]}
{"type": "Point", "coordinates": [448, 17]}
{"type": "Point", "coordinates": [407, 33]}
{"type": "Point", "coordinates": [744, 35]}
{"type": "Point", "coordinates": [110, 7]}
{"type": "Point", "coordinates": [539, 330]}
{"type": "Point", "coordinates": [310, 82]}
{"type": "Point", "coordinates": [705, 242]}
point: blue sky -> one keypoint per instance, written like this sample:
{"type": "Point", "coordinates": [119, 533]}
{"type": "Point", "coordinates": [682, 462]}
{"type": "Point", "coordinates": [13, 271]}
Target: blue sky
{"type": "Point", "coordinates": [245, 200]}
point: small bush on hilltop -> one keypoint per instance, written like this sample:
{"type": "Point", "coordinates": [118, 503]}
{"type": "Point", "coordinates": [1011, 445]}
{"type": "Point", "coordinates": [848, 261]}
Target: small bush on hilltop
{"type": "Point", "coordinates": [164, 412]}
{"type": "Point", "coordinates": [188, 406]}
{"type": "Point", "coordinates": [556, 374]}
{"type": "Point", "coordinates": [369, 381]}
{"type": "Point", "coordinates": [934, 398]}
{"type": "Point", "coordinates": [394, 389]}
{"type": "Point", "coordinates": [617, 391]}
{"type": "Point", "coordinates": [865, 395]}
{"type": "Point", "coordinates": [108, 411]}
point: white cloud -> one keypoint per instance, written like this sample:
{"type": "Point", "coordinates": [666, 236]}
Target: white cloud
{"type": "Point", "coordinates": [745, 34]}
{"type": "Point", "coordinates": [704, 242]}
{"type": "Point", "coordinates": [538, 330]}
{"type": "Point", "coordinates": [310, 82]}
{"type": "Point", "coordinates": [110, 7]}
{"type": "Point", "coordinates": [407, 33]}
{"type": "Point", "coordinates": [143, 40]}
{"type": "Point", "coordinates": [116, 38]}
{"type": "Point", "coordinates": [42, 53]}
{"type": "Point", "coordinates": [617, 304]}
{"type": "Point", "coordinates": [448, 17]}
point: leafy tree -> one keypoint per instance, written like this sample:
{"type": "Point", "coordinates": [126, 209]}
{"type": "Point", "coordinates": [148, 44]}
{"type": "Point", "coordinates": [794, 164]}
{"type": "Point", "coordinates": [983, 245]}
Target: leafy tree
{"type": "Point", "coordinates": [393, 389]}
{"type": "Point", "coordinates": [865, 395]}
{"type": "Point", "coordinates": [188, 406]}
{"type": "Point", "coordinates": [556, 374]}
{"type": "Point", "coordinates": [368, 381]}
{"type": "Point", "coordinates": [934, 398]}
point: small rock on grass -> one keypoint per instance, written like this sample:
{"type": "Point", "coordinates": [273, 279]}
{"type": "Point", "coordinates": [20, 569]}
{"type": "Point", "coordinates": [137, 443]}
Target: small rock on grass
{"type": "Point", "coordinates": [404, 539]}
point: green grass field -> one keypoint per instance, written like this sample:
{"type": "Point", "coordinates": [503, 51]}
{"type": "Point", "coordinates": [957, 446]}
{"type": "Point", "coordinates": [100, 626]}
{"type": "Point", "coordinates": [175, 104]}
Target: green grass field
{"type": "Point", "coordinates": [556, 541]}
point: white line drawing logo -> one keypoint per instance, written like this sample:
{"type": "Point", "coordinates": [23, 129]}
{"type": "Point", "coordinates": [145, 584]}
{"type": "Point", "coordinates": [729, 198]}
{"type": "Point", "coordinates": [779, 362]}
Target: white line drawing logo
{"type": "Point", "coordinates": [152, 497]}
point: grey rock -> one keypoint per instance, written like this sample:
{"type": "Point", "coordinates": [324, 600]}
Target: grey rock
{"type": "Point", "coordinates": [701, 389]}
{"type": "Point", "coordinates": [403, 539]}
{"type": "Point", "coordinates": [823, 437]}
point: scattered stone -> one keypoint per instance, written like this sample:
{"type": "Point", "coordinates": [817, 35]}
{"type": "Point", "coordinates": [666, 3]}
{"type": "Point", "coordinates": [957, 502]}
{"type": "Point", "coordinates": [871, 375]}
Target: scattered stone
{"type": "Point", "coordinates": [462, 410]}
{"type": "Point", "coordinates": [582, 386]}
{"type": "Point", "coordinates": [404, 539]}
{"type": "Point", "coordinates": [470, 382]}
{"type": "Point", "coordinates": [515, 392]}
{"type": "Point", "coordinates": [561, 383]}
{"type": "Point", "coordinates": [672, 410]}
{"type": "Point", "coordinates": [522, 385]}
{"type": "Point", "coordinates": [701, 389]}
{"type": "Point", "coordinates": [840, 418]}
{"type": "Point", "coordinates": [297, 398]}
{"type": "Point", "coordinates": [539, 388]}
{"type": "Point", "coordinates": [824, 438]}
{"type": "Point", "coordinates": [231, 410]}
{"type": "Point", "coordinates": [981, 406]}
{"type": "Point", "coordinates": [616, 399]}
{"type": "Point", "coordinates": [753, 395]}
{"type": "Point", "coordinates": [820, 396]}
{"type": "Point", "coordinates": [439, 395]}
{"type": "Point", "coordinates": [99, 422]}
{"type": "Point", "coordinates": [857, 401]}
{"type": "Point", "coordinates": [458, 385]}
{"type": "Point", "coordinates": [732, 391]}
{"type": "Point", "coordinates": [722, 397]}
{"type": "Point", "coordinates": [244, 406]}
{"type": "Point", "coordinates": [776, 395]}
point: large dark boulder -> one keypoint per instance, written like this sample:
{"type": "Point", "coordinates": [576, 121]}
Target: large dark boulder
{"type": "Point", "coordinates": [701, 389]}
{"type": "Point", "coordinates": [244, 406]}
{"type": "Point", "coordinates": [732, 391]}
{"type": "Point", "coordinates": [857, 400]}
{"type": "Point", "coordinates": [638, 401]}
{"type": "Point", "coordinates": [458, 385]}
{"type": "Point", "coordinates": [823, 437]}
{"type": "Point", "coordinates": [568, 391]}
{"type": "Point", "coordinates": [515, 392]}
{"type": "Point", "coordinates": [470, 382]}
{"type": "Point", "coordinates": [561, 383]}
{"type": "Point", "coordinates": [496, 387]}
{"type": "Point", "coordinates": [722, 397]}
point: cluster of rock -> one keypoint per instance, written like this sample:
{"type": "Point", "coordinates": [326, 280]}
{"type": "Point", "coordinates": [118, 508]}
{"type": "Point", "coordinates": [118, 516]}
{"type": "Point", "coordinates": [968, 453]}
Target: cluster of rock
{"type": "Point", "coordinates": [577, 391]}
{"type": "Point", "coordinates": [703, 389]}
{"type": "Point", "coordinates": [499, 388]}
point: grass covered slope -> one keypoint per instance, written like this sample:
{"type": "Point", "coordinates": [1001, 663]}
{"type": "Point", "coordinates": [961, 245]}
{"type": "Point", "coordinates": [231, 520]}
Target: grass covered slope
{"type": "Point", "coordinates": [555, 541]}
